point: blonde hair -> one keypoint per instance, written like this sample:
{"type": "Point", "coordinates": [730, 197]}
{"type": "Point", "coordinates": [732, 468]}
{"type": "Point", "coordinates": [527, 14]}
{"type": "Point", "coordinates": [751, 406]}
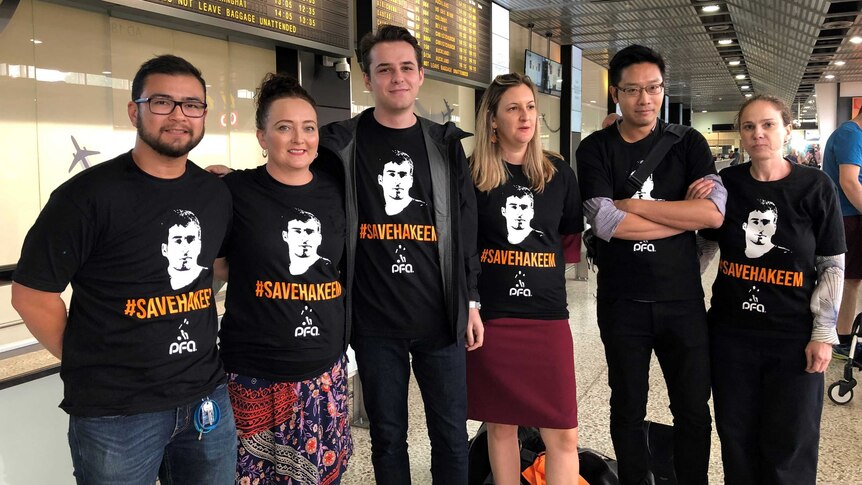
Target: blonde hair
{"type": "Point", "coordinates": [486, 164]}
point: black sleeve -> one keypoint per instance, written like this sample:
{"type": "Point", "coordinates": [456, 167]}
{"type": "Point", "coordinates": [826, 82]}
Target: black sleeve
{"type": "Point", "coordinates": [595, 176]}
{"type": "Point", "coordinates": [699, 157]}
{"type": "Point", "coordinates": [56, 246]}
{"type": "Point", "coordinates": [572, 221]}
{"type": "Point", "coordinates": [469, 220]}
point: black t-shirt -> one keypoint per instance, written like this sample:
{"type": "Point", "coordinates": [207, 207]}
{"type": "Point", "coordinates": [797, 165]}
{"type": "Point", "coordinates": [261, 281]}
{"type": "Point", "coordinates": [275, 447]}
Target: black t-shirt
{"type": "Point", "coordinates": [659, 269]}
{"type": "Point", "coordinates": [138, 251]}
{"type": "Point", "coordinates": [770, 236]}
{"type": "Point", "coordinates": [398, 290]}
{"type": "Point", "coordinates": [284, 318]}
{"type": "Point", "coordinates": [520, 245]}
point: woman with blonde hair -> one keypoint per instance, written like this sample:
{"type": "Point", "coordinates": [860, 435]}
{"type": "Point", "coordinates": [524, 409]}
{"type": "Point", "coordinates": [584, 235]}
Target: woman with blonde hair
{"type": "Point", "coordinates": [530, 215]}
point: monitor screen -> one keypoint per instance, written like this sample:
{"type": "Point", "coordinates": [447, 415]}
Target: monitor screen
{"type": "Point", "coordinates": [555, 78]}
{"type": "Point", "coordinates": [534, 67]}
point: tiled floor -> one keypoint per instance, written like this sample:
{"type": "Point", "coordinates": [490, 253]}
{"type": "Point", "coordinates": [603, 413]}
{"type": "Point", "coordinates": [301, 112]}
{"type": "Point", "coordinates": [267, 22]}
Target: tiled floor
{"type": "Point", "coordinates": [841, 436]}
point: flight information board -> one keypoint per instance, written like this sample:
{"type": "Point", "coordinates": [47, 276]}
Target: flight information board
{"type": "Point", "coordinates": [322, 21]}
{"type": "Point", "coordinates": [455, 35]}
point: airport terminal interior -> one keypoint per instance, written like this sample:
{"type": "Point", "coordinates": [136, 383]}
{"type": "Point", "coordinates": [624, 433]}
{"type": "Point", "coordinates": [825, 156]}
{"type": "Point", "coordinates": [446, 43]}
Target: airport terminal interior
{"type": "Point", "coordinates": [66, 69]}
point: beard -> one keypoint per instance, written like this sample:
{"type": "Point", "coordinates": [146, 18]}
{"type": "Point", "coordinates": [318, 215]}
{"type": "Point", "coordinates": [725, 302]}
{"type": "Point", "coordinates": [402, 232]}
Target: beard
{"type": "Point", "coordinates": [174, 150]}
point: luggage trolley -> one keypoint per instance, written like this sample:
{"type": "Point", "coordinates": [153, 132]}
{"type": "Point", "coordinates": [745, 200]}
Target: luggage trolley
{"type": "Point", "coordinates": [841, 391]}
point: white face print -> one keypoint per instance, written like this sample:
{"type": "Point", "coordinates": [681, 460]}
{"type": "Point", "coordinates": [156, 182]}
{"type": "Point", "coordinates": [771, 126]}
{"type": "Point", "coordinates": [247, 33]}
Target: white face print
{"type": "Point", "coordinates": [396, 180]}
{"type": "Point", "coordinates": [183, 247]}
{"type": "Point", "coordinates": [518, 212]}
{"type": "Point", "coordinates": [303, 238]}
{"type": "Point", "coordinates": [759, 227]}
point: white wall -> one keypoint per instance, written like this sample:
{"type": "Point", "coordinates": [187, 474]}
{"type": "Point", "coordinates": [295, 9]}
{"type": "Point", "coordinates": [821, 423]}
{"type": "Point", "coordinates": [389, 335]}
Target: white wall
{"type": "Point", "coordinates": [33, 443]}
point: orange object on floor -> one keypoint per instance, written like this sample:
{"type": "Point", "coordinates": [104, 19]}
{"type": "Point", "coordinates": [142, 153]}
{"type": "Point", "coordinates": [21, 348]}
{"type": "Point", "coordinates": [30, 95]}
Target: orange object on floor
{"type": "Point", "coordinates": [535, 473]}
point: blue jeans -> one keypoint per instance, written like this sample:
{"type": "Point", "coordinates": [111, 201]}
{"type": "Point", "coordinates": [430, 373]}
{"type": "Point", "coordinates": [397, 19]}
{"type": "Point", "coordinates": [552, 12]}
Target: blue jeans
{"type": "Point", "coordinates": [136, 449]}
{"type": "Point", "coordinates": [384, 367]}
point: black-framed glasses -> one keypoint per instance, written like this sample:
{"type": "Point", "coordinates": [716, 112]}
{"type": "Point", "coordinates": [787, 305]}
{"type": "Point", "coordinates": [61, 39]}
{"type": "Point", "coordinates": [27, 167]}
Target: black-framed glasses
{"type": "Point", "coordinates": [633, 91]}
{"type": "Point", "coordinates": [160, 105]}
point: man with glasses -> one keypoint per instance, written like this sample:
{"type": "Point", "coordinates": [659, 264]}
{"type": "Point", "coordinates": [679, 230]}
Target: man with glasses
{"type": "Point", "coordinates": [143, 383]}
{"type": "Point", "coordinates": [649, 290]}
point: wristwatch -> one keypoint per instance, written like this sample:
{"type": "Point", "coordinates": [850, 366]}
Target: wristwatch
{"type": "Point", "coordinates": [474, 304]}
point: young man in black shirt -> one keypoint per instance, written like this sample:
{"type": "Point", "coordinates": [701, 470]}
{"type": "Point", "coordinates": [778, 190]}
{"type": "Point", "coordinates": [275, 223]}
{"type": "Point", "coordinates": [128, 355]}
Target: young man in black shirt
{"type": "Point", "coordinates": [416, 267]}
{"type": "Point", "coordinates": [138, 348]}
{"type": "Point", "coordinates": [649, 291]}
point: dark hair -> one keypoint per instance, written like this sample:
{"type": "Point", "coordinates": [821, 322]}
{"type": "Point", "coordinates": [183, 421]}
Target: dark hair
{"type": "Point", "coordinates": [763, 205]}
{"type": "Point", "coordinates": [385, 33]}
{"type": "Point", "coordinates": [517, 191]}
{"type": "Point", "coordinates": [633, 54]}
{"type": "Point", "coordinates": [165, 64]}
{"type": "Point", "coordinates": [295, 214]}
{"type": "Point", "coordinates": [276, 86]}
{"type": "Point", "coordinates": [182, 218]}
{"type": "Point", "coordinates": [786, 117]}
{"type": "Point", "coordinates": [400, 158]}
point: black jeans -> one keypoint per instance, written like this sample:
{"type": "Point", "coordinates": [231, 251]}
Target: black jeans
{"type": "Point", "coordinates": [767, 409]}
{"type": "Point", "coordinates": [677, 331]}
{"type": "Point", "coordinates": [384, 368]}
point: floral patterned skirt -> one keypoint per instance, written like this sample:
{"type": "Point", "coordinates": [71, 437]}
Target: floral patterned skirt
{"type": "Point", "coordinates": [293, 433]}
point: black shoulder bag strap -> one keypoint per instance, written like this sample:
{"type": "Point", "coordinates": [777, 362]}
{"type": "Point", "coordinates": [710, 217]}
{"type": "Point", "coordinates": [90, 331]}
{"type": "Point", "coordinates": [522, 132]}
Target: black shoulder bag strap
{"type": "Point", "coordinates": [672, 134]}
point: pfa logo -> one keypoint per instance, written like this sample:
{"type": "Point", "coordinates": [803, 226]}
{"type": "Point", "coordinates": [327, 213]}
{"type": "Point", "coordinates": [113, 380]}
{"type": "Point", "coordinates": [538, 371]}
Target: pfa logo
{"type": "Point", "coordinates": [306, 326]}
{"type": "Point", "coordinates": [520, 287]}
{"type": "Point", "coordinates": [644, 247]}
{"type": "Point", "coordinates": [401, 265]}
{"type": "Point", "coordinates": [184, 343]}
{"type": "Point", "coordinates": [753, 304]}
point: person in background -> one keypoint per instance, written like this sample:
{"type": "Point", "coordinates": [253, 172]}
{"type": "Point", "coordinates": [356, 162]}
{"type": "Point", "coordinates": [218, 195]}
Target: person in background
{"type": "Point", "coordinates": [650, 296]}
{"type": "Point", "coordinates": [143, 383]}
{"type": "Point", "coordinates": [735, 157]}
{"type": "Point", "coordinates": [414, 295]}
{"type": "Point", "coordinates": [771, 337]}
{"type": "Point", "coordinates": [285, 331]}
{"type": "Point", "coordinates": [842, 160]}
{"type": "Point", "coordinates": [523, 298]}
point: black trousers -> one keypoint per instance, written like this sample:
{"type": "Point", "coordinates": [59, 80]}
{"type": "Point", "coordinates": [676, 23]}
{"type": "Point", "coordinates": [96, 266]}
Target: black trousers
{"type": "Point", "coordinates": [677, 332]}
{"type": "Point", "coordinates": [767, 409]}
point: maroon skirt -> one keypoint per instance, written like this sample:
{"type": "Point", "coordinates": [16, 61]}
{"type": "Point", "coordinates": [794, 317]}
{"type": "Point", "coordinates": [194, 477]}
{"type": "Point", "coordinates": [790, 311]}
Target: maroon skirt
{"type": "Point", "coordinates": [524, 374]}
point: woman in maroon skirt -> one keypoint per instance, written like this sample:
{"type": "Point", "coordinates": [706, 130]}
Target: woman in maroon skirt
{"type": "Point", "coordinates": [529, 221]}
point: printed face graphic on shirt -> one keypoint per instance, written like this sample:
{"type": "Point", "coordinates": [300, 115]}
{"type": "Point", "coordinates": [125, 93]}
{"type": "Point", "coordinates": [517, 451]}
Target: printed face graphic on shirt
{"type": "Point", "coordinates": [396, 181]}
{"type": "Point", "coordinates": [303, 236]}
{"type": "Point", "coordinates": [518, 211]}
{"type": "Point", "coordinates": [182, 247]}
{"type": "Point", "coordinates": [760, 226]}
{"type": "Point", "coordinates": [645, 192]}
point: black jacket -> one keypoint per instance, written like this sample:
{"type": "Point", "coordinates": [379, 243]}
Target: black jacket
{"type": "Point", "coordinates": [454, 209]}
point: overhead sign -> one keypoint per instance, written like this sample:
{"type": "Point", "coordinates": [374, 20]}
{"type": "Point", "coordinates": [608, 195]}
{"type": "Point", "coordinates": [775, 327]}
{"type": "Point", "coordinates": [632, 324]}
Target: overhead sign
{"type": "Point", "coordinates": [313, 23]}
{"type": "Point", "coordinates": [455, 35]}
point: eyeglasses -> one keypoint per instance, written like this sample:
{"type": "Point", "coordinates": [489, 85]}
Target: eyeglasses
{"type": "Point", "coordinates": [632, 91]}
{"type": "Point", "coordinates": [160, 105]}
